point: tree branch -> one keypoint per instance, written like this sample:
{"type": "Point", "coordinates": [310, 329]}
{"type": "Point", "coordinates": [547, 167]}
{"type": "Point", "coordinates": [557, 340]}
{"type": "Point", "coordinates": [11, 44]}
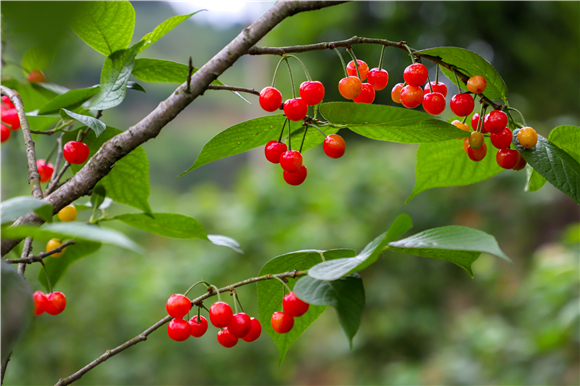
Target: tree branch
{"type": "Point", "coordinates": [42, 255]}
{"type": "Point", "coordinates": [233, 88]}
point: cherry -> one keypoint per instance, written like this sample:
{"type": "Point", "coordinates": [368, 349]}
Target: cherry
{"type": "Point", "coordinates": [4, 133]}
{"type": "Point", "coordinates": [40, 303]}
{"type": "Point", "coordinates": [270, 99]}
{"type": "Point", "coordinates": [434, 103]}
{"type": "Point", "coordinates": [465, 145]}
{"type": "Point", "coordinates": [462, 105]}
{"type": "Point", "coordinates": [396, 93]}
{"type": "Point", "coordinates": [411, 96]}
{"type": "Point", "coordinates": [495, 121]}
{"type": "Point", "coordinates": [507, 158]}
{"type": "Point", "coordinates": [296, 178]}
{"type": "Point", "coordinates": [367, 94]}
{"type": "Point", "coordinates": [477, 154]}
{"type": "Point", "coordinates": [11, 118]}
{"type": "Point", "coordinates": [178, 330]}
{"type": "Point", "coordinates": [56, 303]}
{"type": "Point", "coordinates": [68, 213]}
{"type": "Point", "coordinates": [44, 169]}
{"type": "Point", "coordinates": [220, 314]}
{"type": "Point", "coordinates": [416, 74]}
{"type": "Point", "coordinates": [334, 146]}
{"type": "Point", "coordinates": [460, 125]}
{"type": "Point", "coordinates": [476, 84]}
{"type": "Point", "coordinates": [255, 331]}
{"type": "Point", "coordinates": [178, 306]}
{"type": "Point", "coordinates": [476, 140]}
{"type": "Point", "coordinates": [226, 339]}
{"type": "Point", "coordinates": [475, 122]}
{"type": "Point", "coordinates": [363, 68]}
{"type": "Point", "coordinates": [378, 78]}
{"type": "Point", "coordinates": [7, 103]}
{"type": "Point", "coordinates": [501, 140]}
{"type": "Point", "coordinates": [437, 87]}
{"type": "Point", "coordinates": [295, 109]}
{"type": "Point", "coordinates": [75, 152]}
{"type": "Point", "coordinates": [312, 92]}
{"type": "Point", "coordinates": [36, 76]}
{"type": "Point", "coordinates": [240, 325]}
{"type": "Point", "coordinates": [198, 326]}
{"type": "Point", "coordinates": [520, 164]}
{"type": "Point", "coordinates": [53, 244]}
{"type": "Point", "coordinates": [350, 87]}
{"type": "Point", "coordinates": [282, 322]}
{"type": "Point", "coordinates": [294, 306]}
{"type": "Point", "coordinates": [527, 137]}
{"type": "Point", "coordinates": [274, 150]}
{"type": "Point", "coordinates": [291, 160]}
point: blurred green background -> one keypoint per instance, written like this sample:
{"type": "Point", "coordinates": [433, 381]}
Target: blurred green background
{"type": "Point", "coordinates": [426, 321]}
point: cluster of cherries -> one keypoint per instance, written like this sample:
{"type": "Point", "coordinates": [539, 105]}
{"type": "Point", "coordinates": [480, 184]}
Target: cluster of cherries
{"type": "Point", "coordinates": [53, 303]}
{"type": "Point", "coordinates": [352, 87]}
{"type": "Point", "coordinates": [10, 119]}
{"type": "Point", "coordinates": [282, 322]}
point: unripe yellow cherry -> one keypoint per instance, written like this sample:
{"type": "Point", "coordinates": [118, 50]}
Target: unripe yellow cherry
{"type": "Point", "coordinates": [53, 244]}
{"type": "Point", "coordinates": [527, 137]}
{"type": "Point", "coordinates": [68, 213]}
{"type": "Point", "coordinates": [460, 125]}
{"type": "Point", "coordinates": [476, 140]}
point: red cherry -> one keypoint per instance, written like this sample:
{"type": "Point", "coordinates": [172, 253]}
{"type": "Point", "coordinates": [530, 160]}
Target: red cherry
{"type": "Point", "coordinates": [270, 99]}
{"type": "Point", "coordinates": [36, 76]}
{"type": "Point", "coordinates": [255, 331]}
{"type": "Point", "coordinates": [363, 68]}
{"type": "Point", "coordinates": [350, 87]}
{"type": "Point", "coordinates": [198, 326]}
{"type": "Point", "coordinates": [477, 154]}
{"type": "Point", "coordinates": [434, 103]}
{"type": "Point", "coordinates": [44, 169]}
{"type": "Point", "coordinates": [226, 339]}
{"type": "Point", "coordinates": [378, 78]}
{"type": "Point", "coordinates": [274, 150]}
{"type": "Point", "coordinates": [294, 306]}
{"type": "Point", "coordinates": [56, 303]}
{"type": "Point", "coordinates": [240, 325]}
{"type": "Point", "coordinates": [411, 96]}
{"type": "Point", "coordinates": [178, 306]}
{"type": "Point", "coordinates": [396, 92]}
{"type": "Point", "coordinates": [296, 178]}
{"type": "Point", "coordinates": [291, 160]}
{"type": "Point", "coordinates": [437, 87]}
{"type": "Point", "coordinates": [178, 330]}
{"type": "Point", "coordinates": [4, 133]}
{"type": "Point", "coordinates": [7, 103]}
{"type": "Point", "coordinates": [334, 146]}
{"type": "Point", "coordinates": [501, 140]}
{"type": "Point", "coordinates": [475, 122]}
{"type": "Point", "coordinates": [295, 109]}
{"type": "Point", "coordinates": [10, 117]}
{"type": "Point", "coordinates": [507, 158]}
{"type": "Point", "coordinates": [40, 303]}
{"type": "Point", "coordinates": [75, 152]}
{"type": "Point", "coordinates": [282, 322]}
{"type": "Point", "coordinates": [220, 314]}
{"type": "Point", "coordinates": [416, 74]}
{"type": "Point", "coordinates": [495, 121]}
{"type": "Point", "coordinates": [462, 105]}
{"type": "Point", "coordinates": [367, 94]}
{"type": "Point", "coordinates": [312, 92]}
{"type": "Point", "coordinates": [520, 164]}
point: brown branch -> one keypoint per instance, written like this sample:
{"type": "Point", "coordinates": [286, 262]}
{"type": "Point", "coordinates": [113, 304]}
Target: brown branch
{"type": "Point", "coordinates": [233, 88]}
{"type": "Point", "coordinates": [25, 252]}
{"type": "Point", "coordinates": [143, 336]}
{"type": "Point", "coordinates": [42, 255]}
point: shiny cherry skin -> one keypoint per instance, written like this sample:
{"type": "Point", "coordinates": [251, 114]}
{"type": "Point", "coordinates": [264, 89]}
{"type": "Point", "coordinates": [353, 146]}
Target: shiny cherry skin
{"type": "Point", "coordinates": [282, 322]}
{"type": "Point", "coordinates": [411, 96]}
{"type": "Point", "coordinates": [198, 326]}
{"type": "Point", "coordinates": [10, 117]}
{"type": "Point", "coordinates": [507, 158]}
{"type": "Point", "coordinates": [68, 213]}
{"type": "Point", "coordinates": [495, 121]}
{"type": "Point", "coordinates": [270, 99]}
{"type": "Point", "coordinates": [367, 94]}
{"type": "Point", "coordinates": [45, 170]}
{"type": "Point", "coordinates": [476, 84]}
{"type": "Point", "coordinates": [255, 331]}
{"type": "Point", "coordinates": [294, 306]}
{"type": "Point", "coordinates": [378, 78]}
{"type": "Point", "coordinates": [291, 160]}
{"type": "Point", "coordinates": [350, 87]}
{"type": "Point", "coordinates": [476, 140]}
{"type": "Point", "coordinates": [40, 303]}
{"type": "Point", "coordinates": [296, 178]}
{"type": "Point", "coordinates": [434, 103]}
{"type": "Point", "coordinates": [501, 140]}
{"type": "Point", "coordinates": [477, 154]}
{"type": "Point", "coordinates": [36, 76]}
{"type": "Point", "coordinates": [462, 105]}
{"type": "Point", "coordinates": [475, 122]}
{"type": "Point", "coordinates": [274, 150]}
{"type": "Point", "coordinates": [416, 74]}
{"type": "Point", "coordinates": [527, 137]}
{"type": "Point", "coordinates": [7, 103]}
{"type": "Point", "coordinates": [334, 146]}
{"type": "Point", "coordinates": [363, 68]}
{"type": "Point", "coordinates": [56, 303]}
{"type": "Point", "coordinates": [5, 133]}
{"type": "Point", "coordinates": [437, 87]}
{"type": "Point", "coordinates": [295, 109]}
{"type": "Point", "coordinates": [396, 92]}
{"type": "Point", "coordinates": [75, 152]}
{"type": "Point", "coordinates": [179, 330]}
{"type": "Point", "coordinates": [240, 325]}
{"type": "Point", "coordinates": [220, 314]}
{"type": "Point", "coordinates": [520, 164]}
{"type": "Point", "coordinates": [226, 339]}
{"type": "Point", "coordinates": [178, 306]}
{"type": "Point", "coordinates": [460, 125]}
{"type": "Point", "coordinates": [312, 92]}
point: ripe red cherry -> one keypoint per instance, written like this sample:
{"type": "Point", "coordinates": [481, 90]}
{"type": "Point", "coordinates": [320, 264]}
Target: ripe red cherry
{"type": "Point", "coordinates": [178, 330]}
{"type": "Point", "coordinates": [434, 103]}
{"type": "Point", "coordinates": [4, 133]}
{"type": "Point", "coordinates": [437, 87]}
{"type": "Point", "coordinates": [220, 314]}
{"type": "Point", "coordinates": [378, 78]}
{"type": "Point", "coordinates": [226, 339]}
{"type": "Point", "coordinates": [75, 152]}
{"type": "Point", "coordinates": [7, 103]}
{"type": "Point", "coordinates": [495, 121]}
{"type": "Point", "coordinates": [40, 303]}
{"type": "Point", "coordinates": [396, 92]}
{"type": "Point", "coordinates": [312, 92]}
{"type": "Point", "coordinates": [363, 68]}
{"type": "Point", "coordinates": [507, 158]}
{"type": "Point", "coordinates": [36, 76]}
{"type": "Point", "coordinates": [416, 74]}
{"type": "Point", "coordinates": [475, 122]}
{"type": "Point", "coordinates": [282, 322]}
{"type": "Point", "coordinates": [295, 109]}
{"type": "Point", "coordinates": [501, 140]}
{"type": "Point", "coordinates": [56, 303]}
{"type": "Point", "coordinates": [350, 87]}
{"type": "Point", "coordinates": [178, 306]}
{"type": "Point", "coordinates": [291, 160]}
{"type": "Point", "coordinates": [296, 178]}
{"type": "Point", "coordinates": [255, 331]}
{"type": "Point", "coordinates": [270, 99]}
{"type": "Point", "coordinates": [198, 326]}
{"type": "Point", "coordinates": [462, 105]}
{"type": "Point", "coordinates": [411, 96]}
{"type": "Point", "coordinates": [294, 306]}
{"type": "Point", "coordinates": [334, 146]}
{"type": "Point", "coordinates": [240, 325]}
{"type": "Point", "coordinates": [477, 154]}
{"type": "Point", "coordinates": [274, 150]}
{"type": "Point", "coordinates": [520, 164]}
{"type": "Point", "coordinates": [11, 118]}
{"type": "Point", "coordinates": [367, 94]}
{"type": "Point", "coordinates": [44, 169]}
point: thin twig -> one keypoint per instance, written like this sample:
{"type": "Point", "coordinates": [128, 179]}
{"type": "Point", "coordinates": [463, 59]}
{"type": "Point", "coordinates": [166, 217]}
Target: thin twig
{"type": "Point", "coordinates": [25, 252]}
{"type": "Point", "coordinates": [47, 132]}
{"type": "Point", "coordinates": [42, 255]}
{"type": "Point", "coordinates": [233, 88]}
{"type": "Point", "coordinates": [4, 364]}
{"type": "Point", "coordinates": [59, 157]}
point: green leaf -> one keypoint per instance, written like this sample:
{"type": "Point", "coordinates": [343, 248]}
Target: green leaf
{"type": "Point", "coordinates": [471, 64]}
{"type": "Point", "coordinates": [225, 241]}
{"type": "Point", "coordinates": [457, 244]}
{"type": "Point", "coordinates": [128, 181]}
{"type": "Point", "coordinates": [388, 123]}
{"type": "Point", "coordinates": [95, 124]}
{"type": "Point", "coordinates": [15, 207]}
{"type": "Point", "coordinates": [446, 164]}
{"type": "Point", "coordinates": [37, 58]}
{"type": "Point", "coordinates": [57, 266]}
{"type": "Point", "coordinates": [535, 180]}
{"type": "Point", "coordinates": [567, 138]}
{"type": "Point", "coordinates": [171, 225]}
{"type": "Point", "coordinates": [135, 86]}
{"type": "Point", "coordinates": [70, 100]}
{"type": "Point", "coordinates": [271, 293]}
{"type": "Point", "coordinates": [160, 71]}
{"type": "Point", "coordinates": [106, 26]}
{"type": "Point", "coordinates": [346, 295]}
{"type": "Point", "coordinates": [335, 269]}
{"type": "Point", "coordinates": [164, 28]}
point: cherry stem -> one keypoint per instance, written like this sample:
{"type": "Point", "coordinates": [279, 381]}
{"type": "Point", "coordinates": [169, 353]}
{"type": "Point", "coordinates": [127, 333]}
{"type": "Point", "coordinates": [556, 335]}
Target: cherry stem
{"type": "Point", "coordinates": [303, 138]}
{"type": "Point", "coordinates": [217, 292]}
{"type": "Point", "coordinates": [237, 299]}
{"type": "Point", "coordinates": [289, 138]}
{"type": "Point", "coordinates": [519, 112]}
{"type": "Point", "coordinates": [291, 77]}
{"type": "Point", "coordinates": [429, 83]}
{"type": "Point", "coordinates": [353, 56]}
{"type": "Point", "coordinates": [193, 286]}
{"type": "Point", "coordinates": [276, 70]}
{"type": "Point", "coordinates": [481, 117]}
{"type": "Point", "coordinates": [410, 52]}
{"type": "Point", "coordinates": [235, 303]}
{"type": "Point", "coordinates": [342, 61]}
{"type": "Point", "coordinates": [464, 119]}
{"type": "Point", "coordinates": [321, 132]}
{"type": "Point", "coordinates": [303, 67]}
{"type": "Point", "coordinates": [283, 283]}
{"type": "Point", "coordinates": [47, 277]}
{"type": "Point", "coordinates": [456, 80]}
{"type": "Point", "coordinates": [282, 131]}
{"type": "Point", "coordinates": [381, 59]}
{"type": "Point", "coordinates": [198, 314]}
